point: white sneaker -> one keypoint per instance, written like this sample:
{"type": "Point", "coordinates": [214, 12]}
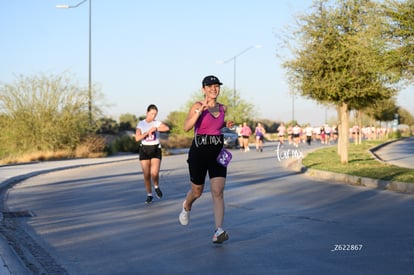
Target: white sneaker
{"type": "Point", "coordinates": [184, 216]}
{"type": "Point", "coordinates": [220, 236]}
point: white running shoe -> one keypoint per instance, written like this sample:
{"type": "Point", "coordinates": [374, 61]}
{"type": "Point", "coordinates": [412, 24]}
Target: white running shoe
{"type": "Point", "coordinates": [184, 216]}
{"type": "Point", "coordinates": [220, 236]}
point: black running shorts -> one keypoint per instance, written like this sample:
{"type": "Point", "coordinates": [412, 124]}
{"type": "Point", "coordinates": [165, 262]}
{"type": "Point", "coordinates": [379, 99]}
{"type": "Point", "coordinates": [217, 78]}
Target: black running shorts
{"type": "Point", "coordinates": [203, 159]}
{"type": "Point", "coordinates": [150, 152]}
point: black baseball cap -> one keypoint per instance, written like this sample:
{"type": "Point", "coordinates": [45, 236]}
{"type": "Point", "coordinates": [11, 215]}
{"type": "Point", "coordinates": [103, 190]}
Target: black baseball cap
{"type": "Point", "coordinates": [210, 80]}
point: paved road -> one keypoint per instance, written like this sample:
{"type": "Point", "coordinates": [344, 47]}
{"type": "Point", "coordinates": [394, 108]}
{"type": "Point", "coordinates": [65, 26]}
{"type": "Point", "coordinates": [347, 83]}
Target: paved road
{"type": "Point", "coordinates": [9, 261]}
{"type": "Point", "coordinates": [92, 220]}
{"type": "Point", "coordinates": [400, 153]}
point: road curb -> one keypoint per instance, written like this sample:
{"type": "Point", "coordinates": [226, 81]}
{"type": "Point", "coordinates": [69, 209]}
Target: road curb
{"type": "Point", "coordinates": [372, 151]}
{"type": "Point", "coordinates": [397, 186]}
{"type": "Point", "coordinates": [403, 187]}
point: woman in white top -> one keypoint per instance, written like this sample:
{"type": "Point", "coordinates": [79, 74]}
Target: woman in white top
{"type": "Point", "coordinates": [148, 132]}
{"type": "Point", "coordinates": [281, 131]}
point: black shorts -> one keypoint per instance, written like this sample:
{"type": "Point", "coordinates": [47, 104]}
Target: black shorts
{"type": "Point", "coordinates": [150, 152]}
{"type": "Point", "coordinates": [203, 159]}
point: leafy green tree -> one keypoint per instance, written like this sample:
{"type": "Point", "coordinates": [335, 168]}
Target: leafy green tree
{"type": "Point", "coordinates": [383, 110]}
{"type": "Point", "coordinates": [176, 122]}
{"type": "Point", "coordinates": [107, 126]}
{"type": "Point", "coordinates": [341, 58]}
{"type": "Point", "coordinates": [405, 117]}
{"type": "Point", "coordinates": [400, 19]}
{"type": "Point", "coordinates": [42, 113]}
{"type": "Point", "coordinates": [269, 125]}
{"type": "Point", "coordinates": [127, 122]}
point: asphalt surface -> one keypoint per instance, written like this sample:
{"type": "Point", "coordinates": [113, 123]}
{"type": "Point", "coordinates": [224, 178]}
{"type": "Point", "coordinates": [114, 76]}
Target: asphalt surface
{"type": "Point", "coordinates": [399, 153]}
{"type": "Point", "coordinates": [10, 262]}
{"type": "Point", "coordinates": [91, 219]}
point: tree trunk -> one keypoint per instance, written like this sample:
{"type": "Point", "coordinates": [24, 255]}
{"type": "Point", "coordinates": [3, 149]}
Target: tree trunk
{"type": "Point", "coordinates": [360, 114]}
{"type": "Point", "coordinates": [343, 142]}
{"type": "Point", "coordinates": [338, 110]}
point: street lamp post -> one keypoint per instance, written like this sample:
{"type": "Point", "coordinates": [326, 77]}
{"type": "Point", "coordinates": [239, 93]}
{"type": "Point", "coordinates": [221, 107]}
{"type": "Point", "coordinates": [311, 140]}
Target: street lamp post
{"type": "Point", "coordinates": [293, 106]}
{"type": "Point", "coordinates": [234, 59]}
{"type": "Point", "coordinates": [90, 54]}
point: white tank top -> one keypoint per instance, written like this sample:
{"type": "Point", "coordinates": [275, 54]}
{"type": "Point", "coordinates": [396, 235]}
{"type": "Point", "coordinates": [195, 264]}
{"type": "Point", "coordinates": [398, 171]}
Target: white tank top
{"type": "Point", "coordinates": [144, 126]}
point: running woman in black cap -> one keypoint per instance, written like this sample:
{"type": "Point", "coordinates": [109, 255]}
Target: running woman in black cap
{"type": "Point", "coordinates": [207, 119]}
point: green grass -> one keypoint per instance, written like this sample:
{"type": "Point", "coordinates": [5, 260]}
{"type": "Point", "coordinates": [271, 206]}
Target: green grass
{"type": "Point", "coordinates": [360, 163]}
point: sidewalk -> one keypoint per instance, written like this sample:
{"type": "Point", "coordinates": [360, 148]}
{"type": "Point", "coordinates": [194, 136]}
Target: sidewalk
{"type": "Point", "coordinates": [10, 174]}
{"type": "Point", "coordinates": [10, 263]}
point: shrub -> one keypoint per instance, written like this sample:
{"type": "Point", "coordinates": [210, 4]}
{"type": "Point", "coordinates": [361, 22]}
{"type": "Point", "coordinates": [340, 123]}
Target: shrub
{"type": "Point", "coordinates": [42, 113]}
{"type": "Point", "coordinates": [124, 143]}
{"type": "Point", "coordinates": [91, 146]}
{"type": "Point", "coordinates": [176, 141]}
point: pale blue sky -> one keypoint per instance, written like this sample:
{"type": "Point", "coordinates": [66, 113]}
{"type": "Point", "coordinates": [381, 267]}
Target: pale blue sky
{"type": "Point", "coordinates": [158, 51]}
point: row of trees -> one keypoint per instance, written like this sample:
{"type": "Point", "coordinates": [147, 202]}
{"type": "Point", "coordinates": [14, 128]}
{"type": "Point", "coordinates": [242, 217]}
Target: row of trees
{"type": "Point", "coordinates": [50, 113]}
{"type": "Point", "coordinates": [347, 53]}
{"type": "Point", "coordinates": [243, 112]}
{"type": "Point", "coordinates": [352, 54]}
